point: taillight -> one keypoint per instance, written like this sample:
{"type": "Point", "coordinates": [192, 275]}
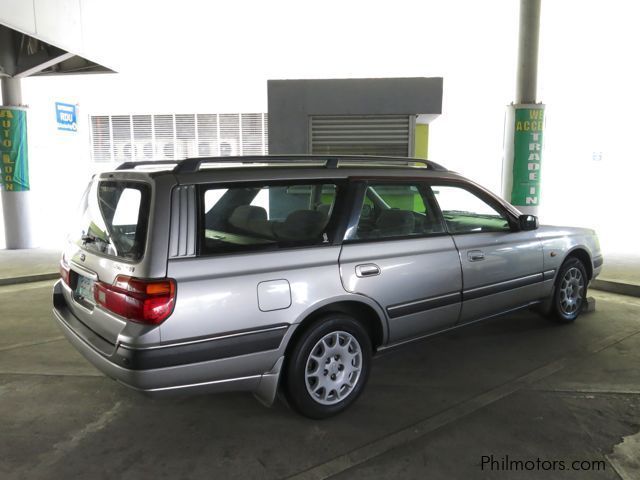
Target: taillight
{"type": "Point", "coordinates": [144, 301]}
{"type": "Point", "coordinates": [65, 273]}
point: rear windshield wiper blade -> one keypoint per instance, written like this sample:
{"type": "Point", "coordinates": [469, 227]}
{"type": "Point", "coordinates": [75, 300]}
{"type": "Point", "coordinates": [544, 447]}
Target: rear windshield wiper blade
{"type": "Point", "coordinates": [92, 239]}
{"type": "Point", "coordinates": [88, 239]}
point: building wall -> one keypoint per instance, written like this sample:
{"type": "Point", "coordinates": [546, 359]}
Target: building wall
{"type": "Point", "coordinates": [291, 102]}
{"type": "Point", "coordinates": [421, 138]}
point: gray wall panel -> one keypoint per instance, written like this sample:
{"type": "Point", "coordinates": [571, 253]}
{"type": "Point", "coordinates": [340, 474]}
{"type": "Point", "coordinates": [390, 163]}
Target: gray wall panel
{"type": "Point", "coordinates": [292, 101]}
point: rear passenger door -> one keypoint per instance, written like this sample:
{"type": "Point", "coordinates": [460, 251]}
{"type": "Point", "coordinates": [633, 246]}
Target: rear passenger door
{"type": "Point", "coordinates": [397, 252]}
{"type": "Point", "coordinates": [501, 266]}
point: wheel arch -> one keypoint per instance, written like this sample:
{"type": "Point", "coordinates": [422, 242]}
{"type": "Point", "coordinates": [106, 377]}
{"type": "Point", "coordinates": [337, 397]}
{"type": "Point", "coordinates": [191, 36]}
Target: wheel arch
{"type": "Point", "coordinates": [371, 317]}
{"type": "Point", "coordinates": [582, 254]}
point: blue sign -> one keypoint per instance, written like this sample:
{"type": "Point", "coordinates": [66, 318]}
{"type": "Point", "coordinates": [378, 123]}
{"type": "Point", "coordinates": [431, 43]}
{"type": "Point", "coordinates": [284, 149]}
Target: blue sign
{"type": "Point", "coordinates": [66, 116]}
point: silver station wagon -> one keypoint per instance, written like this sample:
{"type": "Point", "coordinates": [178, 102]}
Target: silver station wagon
{"type": "Point", "coordinates": [287, 274]}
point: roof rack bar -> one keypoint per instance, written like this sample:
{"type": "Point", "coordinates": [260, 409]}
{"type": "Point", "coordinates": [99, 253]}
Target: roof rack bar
{"type": "Point", "coordinates": [130, 165]}
{"type": "Point", "coordinates": [332, 163]}
{"type": "Point", "coordinates": [192, 165]}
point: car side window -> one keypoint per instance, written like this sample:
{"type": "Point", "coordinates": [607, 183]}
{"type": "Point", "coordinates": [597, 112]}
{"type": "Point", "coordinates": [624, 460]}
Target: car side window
{"type": "Point", "coordinates": [391, 210]}
{"type": "Point", "coordinates": [266, 216]}
{"type": "Point", "coordinates": [465, 212]}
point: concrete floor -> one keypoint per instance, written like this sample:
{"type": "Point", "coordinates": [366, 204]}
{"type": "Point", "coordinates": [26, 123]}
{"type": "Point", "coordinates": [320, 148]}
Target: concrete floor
{"type": "Point", "coordinates": [27, 264]}
{"type": "Point", "coordinates": [518, 386]}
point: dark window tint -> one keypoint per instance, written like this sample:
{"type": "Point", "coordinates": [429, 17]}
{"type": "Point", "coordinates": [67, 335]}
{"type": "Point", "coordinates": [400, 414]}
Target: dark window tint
{"type": "Point", "coordinates": [465, 212]}
{"type": "Point", "coordinates": [113, 219]}
{"type": "Point", "coordinates": [397, 210]}
{"type": "Point", "coordinates": [266, 216]}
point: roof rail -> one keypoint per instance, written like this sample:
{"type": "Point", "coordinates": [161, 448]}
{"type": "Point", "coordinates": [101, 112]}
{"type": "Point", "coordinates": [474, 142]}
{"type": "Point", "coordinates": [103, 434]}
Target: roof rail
{"type": "Point", "coordinates": [192, 165]}
{"type": "Point", "coordinates": [131, 165]}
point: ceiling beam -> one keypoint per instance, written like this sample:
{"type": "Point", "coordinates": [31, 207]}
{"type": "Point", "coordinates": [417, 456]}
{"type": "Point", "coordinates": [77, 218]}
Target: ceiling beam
{"type": "Point", "coordinates": [61, 57]}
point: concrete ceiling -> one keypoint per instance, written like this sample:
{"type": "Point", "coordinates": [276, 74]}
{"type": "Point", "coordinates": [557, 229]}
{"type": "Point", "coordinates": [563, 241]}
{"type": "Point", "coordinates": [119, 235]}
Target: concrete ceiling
{"type": "Point", "coordinates": [23, 55]}
{"type": "Point", "coordinates": [43, 37]}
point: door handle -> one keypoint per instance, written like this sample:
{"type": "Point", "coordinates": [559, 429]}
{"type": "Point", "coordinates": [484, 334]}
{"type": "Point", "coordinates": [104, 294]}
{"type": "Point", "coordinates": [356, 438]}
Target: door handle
{"type": "Point", "coordinates": [367, 270]}
{"type": "Point", "coordinates": [475, 255]}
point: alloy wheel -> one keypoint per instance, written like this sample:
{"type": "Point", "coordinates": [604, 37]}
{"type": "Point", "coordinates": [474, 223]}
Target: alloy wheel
{"type": "Point", "coordinates": [333, 367]}
{"type": "Point", "coordinates": [571, 291]}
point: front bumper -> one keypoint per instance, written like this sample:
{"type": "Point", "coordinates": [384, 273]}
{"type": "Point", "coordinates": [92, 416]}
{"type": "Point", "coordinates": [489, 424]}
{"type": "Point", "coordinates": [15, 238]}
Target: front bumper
{"type": "Point", "coordinates": [597, 266]}
{"type": "Point", "coordinates": [172, 370]}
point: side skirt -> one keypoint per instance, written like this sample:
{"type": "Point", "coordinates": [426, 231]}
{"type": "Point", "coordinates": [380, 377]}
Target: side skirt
{"type": "Point", "coordinates": [455, 327]}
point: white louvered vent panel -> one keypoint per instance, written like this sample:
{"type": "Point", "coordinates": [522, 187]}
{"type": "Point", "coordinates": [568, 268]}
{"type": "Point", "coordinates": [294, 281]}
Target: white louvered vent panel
{"type": "Point", "coordinates": [123, 138]}
{"type": "Point", "coordinates": [186, 136]}
{"type": "Point", "coordinates": [207, 135]}
{"type": "Point", "coordinates": [251, 133]}
{"type": "Point", "coordinates": [265, 134]}
{"type": "Point", "coordinates": [100, 138]}
{"type": "Point", "coordinates": [142, 137]}
{"type": "Point", "coordinates": [122, 142]}
{"type": "Point", "coordinates": [164, 137]}
{"type": "Point", "coordinates": [360, 135]}
{"type": "Point", "coordinates": [229, 135]}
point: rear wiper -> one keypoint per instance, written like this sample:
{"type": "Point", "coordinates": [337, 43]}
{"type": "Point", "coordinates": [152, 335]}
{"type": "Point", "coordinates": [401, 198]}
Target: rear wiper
{"type": "Point", "coordinates": [88, 239]}
{"type": "Point", "coordinates": [92, 239]}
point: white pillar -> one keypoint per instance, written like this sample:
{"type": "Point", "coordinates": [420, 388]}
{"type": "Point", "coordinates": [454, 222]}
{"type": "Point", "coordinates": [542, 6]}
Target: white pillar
{"type": "Point", "coordinates": [528, 39]}
{"type": "Point", "coordinates": [526, 86]}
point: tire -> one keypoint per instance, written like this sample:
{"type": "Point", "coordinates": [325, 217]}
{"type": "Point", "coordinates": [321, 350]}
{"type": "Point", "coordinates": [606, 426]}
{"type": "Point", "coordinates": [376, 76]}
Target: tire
{"type": "Point", "coordinates": [570, 291]}
{"type": "Point", "coordinates": [322, 380]}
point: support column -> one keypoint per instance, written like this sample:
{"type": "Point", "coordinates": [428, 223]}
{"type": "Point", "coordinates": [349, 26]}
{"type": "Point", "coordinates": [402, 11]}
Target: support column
{"type": "Point", "coordinates": [528, 39]}
{"type": "Point", "coordinates": [524, 122]}
{"type": "Point", "coordinates": [15, 204]}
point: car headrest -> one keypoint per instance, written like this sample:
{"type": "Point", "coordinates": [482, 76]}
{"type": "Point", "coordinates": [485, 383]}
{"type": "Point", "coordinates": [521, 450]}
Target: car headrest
{"type": "Point", "coordinates": [244, 215]}
{"type": "Point", "coordinates": [395, 223]}
{"type": "Point", "coordinates": [301, 225]}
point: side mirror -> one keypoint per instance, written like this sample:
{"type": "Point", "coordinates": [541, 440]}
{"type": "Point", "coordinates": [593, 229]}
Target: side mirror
{"type": "Point", "coordinates": [528, 222]}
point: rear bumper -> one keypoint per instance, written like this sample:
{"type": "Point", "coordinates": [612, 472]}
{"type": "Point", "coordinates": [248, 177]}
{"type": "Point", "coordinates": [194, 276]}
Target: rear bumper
{"type": "Point", "coordinates": [204, 367]}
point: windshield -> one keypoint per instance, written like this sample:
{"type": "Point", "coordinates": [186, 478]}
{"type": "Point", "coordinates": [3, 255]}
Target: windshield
{"type": "Point", "coordinates": [113, 219]}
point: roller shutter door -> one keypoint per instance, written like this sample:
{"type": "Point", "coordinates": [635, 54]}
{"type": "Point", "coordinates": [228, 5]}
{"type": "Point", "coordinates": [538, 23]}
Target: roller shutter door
{"type": "Point", "coordinates": [388, 135]}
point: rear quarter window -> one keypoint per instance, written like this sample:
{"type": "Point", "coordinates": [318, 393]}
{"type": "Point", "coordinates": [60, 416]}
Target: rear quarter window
{"type": "Point", "coordinates": [266, 217]}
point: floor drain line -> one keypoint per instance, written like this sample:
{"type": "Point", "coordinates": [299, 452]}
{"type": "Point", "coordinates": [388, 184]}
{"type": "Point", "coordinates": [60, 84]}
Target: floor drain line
{"type": "Point", "coordinates": [30, 344]}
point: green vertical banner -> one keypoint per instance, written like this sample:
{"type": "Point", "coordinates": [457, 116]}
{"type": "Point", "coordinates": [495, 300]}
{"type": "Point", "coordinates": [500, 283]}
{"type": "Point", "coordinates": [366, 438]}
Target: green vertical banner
{"type": "Point", "coordinates": [13, 149]}
{"type": "Point", "coordinates": [527, 155]}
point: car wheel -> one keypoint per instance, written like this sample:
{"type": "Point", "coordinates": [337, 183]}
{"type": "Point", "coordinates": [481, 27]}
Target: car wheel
{"type": "Point", "coordinates": [570, 291]}
{"type": "Point", "coordinates": [328, 366]}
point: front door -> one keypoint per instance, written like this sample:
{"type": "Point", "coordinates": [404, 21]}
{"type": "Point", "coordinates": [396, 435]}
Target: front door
{"type": "Point", "coordinates": [501, 266]}
{"type": "Point", "coordinates": [398, 253]}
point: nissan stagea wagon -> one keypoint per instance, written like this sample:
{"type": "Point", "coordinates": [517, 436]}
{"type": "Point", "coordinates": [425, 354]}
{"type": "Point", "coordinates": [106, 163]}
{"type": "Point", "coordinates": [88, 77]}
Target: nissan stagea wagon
{"type": "Point", "coordinates": [288, 274]}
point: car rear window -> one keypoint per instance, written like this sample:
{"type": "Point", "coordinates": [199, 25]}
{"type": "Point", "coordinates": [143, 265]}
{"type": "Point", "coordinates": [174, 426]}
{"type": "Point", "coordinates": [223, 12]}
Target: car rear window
{"type": "Point", "coordinates": [114, 218]}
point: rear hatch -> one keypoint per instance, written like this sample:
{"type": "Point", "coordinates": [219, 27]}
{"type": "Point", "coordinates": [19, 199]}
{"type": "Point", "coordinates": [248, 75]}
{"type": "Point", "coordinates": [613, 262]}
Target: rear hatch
{"type": "Point", "coordinates": [108, 240]}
